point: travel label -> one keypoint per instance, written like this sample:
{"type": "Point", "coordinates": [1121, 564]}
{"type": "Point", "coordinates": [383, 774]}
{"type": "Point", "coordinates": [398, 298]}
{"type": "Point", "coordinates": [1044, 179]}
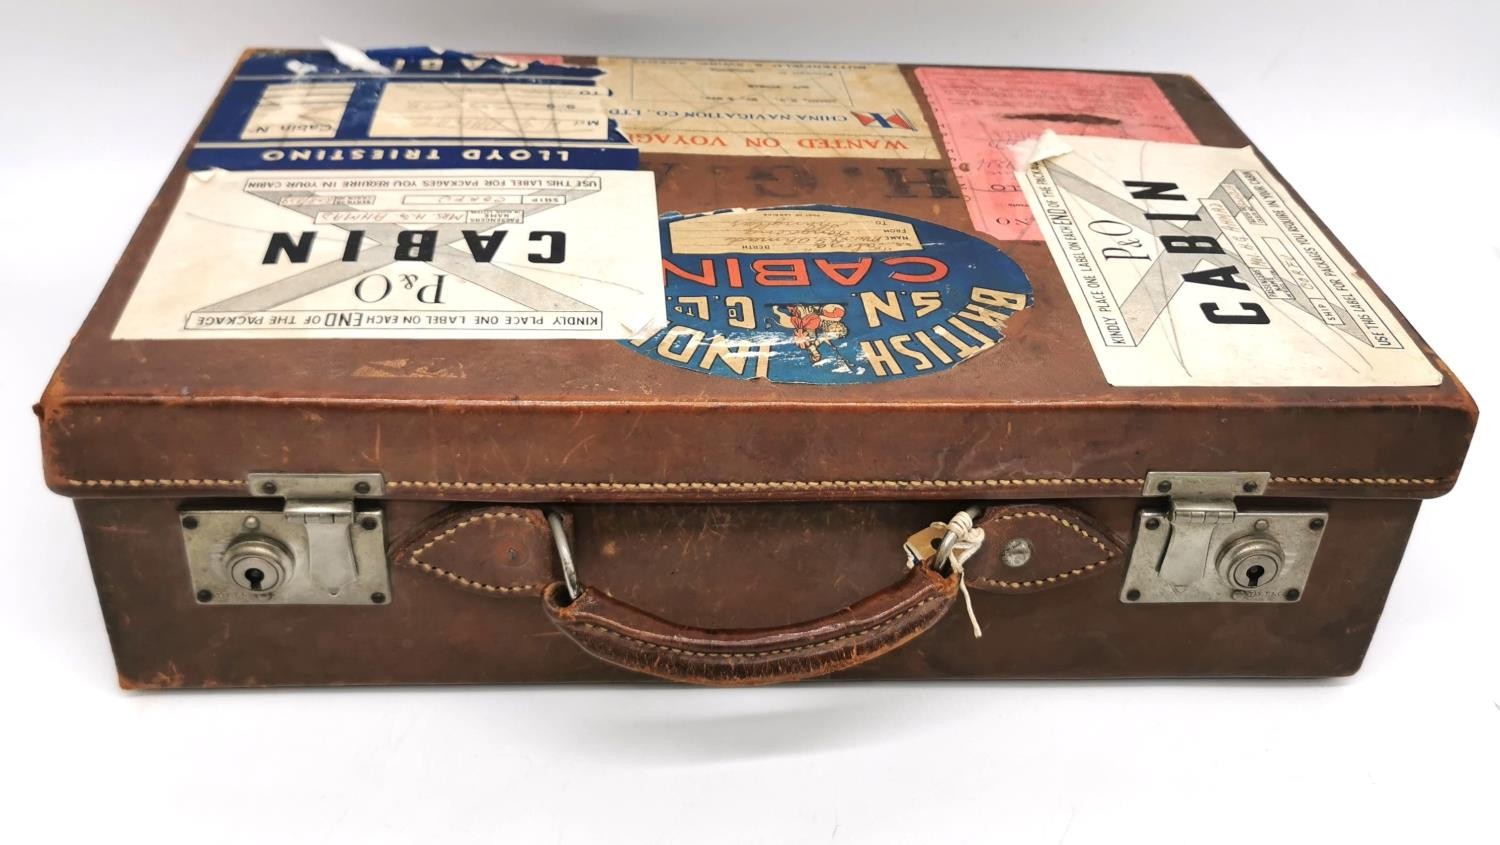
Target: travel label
{"type": "Point", "coordinates": [828, 295]}
{"type": "Point", "coordinates": [434, 254]}
{"type": "Point", "coordinates": [1194, 266]}
{"type": "Point", "coordinates": [981, 112]}
{"type": "Point", "coordinates": [808, 109]}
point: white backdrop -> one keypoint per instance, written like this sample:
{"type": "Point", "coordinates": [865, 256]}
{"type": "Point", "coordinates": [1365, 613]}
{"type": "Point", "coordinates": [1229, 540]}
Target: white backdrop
{"type": "Point", "coordinates": [1386, 117]}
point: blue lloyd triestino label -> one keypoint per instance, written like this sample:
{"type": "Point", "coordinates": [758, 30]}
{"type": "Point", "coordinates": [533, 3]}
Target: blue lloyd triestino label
{"type": "Point", "coordinates": [426, 110]}
{"type": "Point", "coordinates": [419, 193]}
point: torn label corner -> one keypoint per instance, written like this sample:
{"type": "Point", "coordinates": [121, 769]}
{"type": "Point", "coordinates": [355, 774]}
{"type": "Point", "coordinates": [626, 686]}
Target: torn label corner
{"type": "Point", "coordinates": [354, 58]}
{"type": "Point", "coordinates": [1044, 146]}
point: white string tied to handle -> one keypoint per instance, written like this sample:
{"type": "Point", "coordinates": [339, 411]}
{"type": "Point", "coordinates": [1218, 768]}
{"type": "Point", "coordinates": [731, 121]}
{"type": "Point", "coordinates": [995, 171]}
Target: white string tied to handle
{"type": "Point", "coordinates": [961, 539]}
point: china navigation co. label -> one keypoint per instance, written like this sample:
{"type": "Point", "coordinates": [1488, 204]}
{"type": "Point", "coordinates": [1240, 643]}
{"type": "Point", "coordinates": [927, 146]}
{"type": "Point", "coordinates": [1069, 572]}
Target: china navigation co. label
{"type": "Point", "coordinates": [430, 254]}
{"type": "Point", "coordinates": [1194, 266]}
{"type": "Point", "coordinates": [808, 109]}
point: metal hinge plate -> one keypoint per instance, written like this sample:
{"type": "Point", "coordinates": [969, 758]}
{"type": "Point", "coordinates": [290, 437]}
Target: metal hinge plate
{"type": "Point", "coordinates": [321, 547]}
{"type": "Point", "coordinates": [1205, 549]}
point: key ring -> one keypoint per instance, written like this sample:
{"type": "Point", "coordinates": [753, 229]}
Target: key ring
{"type": "Point", "coordinates": [564, 554]}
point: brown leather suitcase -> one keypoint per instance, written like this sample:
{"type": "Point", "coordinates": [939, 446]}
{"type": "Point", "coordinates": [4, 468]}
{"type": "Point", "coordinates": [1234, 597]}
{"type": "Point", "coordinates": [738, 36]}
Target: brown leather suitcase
{"type": "Point", "coordinates": [385, 389]}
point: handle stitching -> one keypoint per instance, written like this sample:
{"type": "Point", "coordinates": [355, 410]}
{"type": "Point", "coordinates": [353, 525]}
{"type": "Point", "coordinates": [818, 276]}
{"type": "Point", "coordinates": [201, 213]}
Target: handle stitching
{"type": "Point", "coordinates": [1063, 576]}
{"type": "Point", "coordinates": [887, 623]}
{"type": "Point", "coordinates": [413, 559]}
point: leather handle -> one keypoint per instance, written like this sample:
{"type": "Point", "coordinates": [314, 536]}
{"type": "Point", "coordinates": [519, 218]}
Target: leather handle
{"type": "Point", "coordinates": [499, 551]}
{"type": "Point", "coordinates": [627, 636]}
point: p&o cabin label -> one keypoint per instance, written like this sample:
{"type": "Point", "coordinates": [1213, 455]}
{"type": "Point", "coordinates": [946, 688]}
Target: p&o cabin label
{"type": "Point", "coordinates": [828, 295]}
{"type": "Point", "coordinates": [1194, 266]}
{"type": "Point", "coordinates": [415, 193]}
{"type": "Point", "coordinates": [408, 253]}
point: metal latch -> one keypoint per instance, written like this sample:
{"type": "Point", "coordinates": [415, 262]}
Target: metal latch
{"type": "Point", "coordinates": [319, 548]}
{"type": "Point", "coordinates": [1205, 549]}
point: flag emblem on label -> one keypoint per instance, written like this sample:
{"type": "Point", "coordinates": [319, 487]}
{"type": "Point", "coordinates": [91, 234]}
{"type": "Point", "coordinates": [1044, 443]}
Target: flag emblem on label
{"type": "Point", "coordinates": [884, 120]}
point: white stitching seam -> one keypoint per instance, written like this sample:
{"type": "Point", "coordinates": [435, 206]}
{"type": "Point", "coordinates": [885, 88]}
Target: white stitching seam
{"type": "Point", "coordinates": [760, 485]}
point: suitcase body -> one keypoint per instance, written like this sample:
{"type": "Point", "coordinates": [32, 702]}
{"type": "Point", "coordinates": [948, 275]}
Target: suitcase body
{"type": "Point", "coordinates": [370, 400]}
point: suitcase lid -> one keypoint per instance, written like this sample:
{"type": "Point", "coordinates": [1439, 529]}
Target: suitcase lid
{"type": "Point", "coordinates": [994, 386]}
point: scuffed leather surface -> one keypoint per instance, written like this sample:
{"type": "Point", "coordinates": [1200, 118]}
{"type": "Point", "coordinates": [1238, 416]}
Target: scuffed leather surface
{"type": "Point", "coordinates": [727, 566]}
{"type": "Point", "coordinates": [628, 637]}
{"type": "Point", "coordinates": [833, 479]}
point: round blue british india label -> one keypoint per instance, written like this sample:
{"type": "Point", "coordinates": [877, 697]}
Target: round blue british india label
{"type": "Point", "coordinates": [828, 295]}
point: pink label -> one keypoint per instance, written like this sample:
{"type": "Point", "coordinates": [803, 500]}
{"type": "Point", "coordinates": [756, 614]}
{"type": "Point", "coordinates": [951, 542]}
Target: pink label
{"type": "Point", "coordinates": [981, 112]}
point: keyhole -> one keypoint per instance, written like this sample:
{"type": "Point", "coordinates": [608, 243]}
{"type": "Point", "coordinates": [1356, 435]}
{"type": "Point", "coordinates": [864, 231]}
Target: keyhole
{"type": "Point", "coordinates": [1253, 574]}
{"type": "Point", "coordinates": [255, 577]}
